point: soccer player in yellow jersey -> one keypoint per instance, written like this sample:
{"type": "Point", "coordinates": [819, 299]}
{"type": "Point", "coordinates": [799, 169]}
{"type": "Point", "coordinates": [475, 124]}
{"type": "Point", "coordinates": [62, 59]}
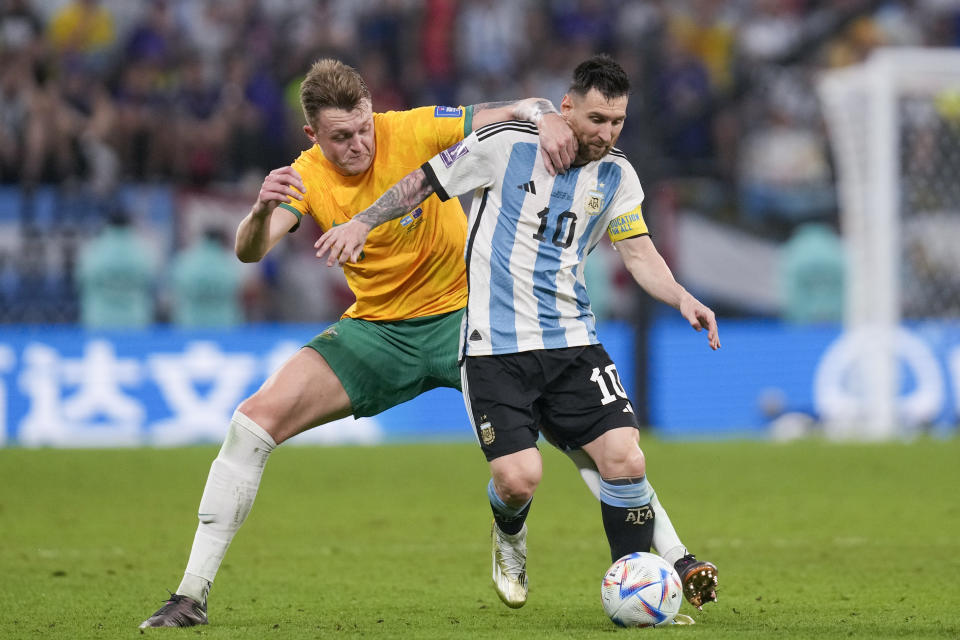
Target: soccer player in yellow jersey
{"type": "Point", "coordinates": [398, 339]}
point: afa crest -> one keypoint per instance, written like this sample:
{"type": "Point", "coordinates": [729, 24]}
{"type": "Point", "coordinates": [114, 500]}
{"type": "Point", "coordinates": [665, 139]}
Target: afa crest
{"type": "Point", "coordinates": [593, 205]}
{"type": "Point", "coordinates": [487, 435]}
{"type": "Point", "coordinates": [640, 515]}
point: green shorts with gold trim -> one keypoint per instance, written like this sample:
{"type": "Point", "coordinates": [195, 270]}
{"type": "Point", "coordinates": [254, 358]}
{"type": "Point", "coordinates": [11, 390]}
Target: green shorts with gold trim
{"type": "Point", "coordinates": [382, 364]}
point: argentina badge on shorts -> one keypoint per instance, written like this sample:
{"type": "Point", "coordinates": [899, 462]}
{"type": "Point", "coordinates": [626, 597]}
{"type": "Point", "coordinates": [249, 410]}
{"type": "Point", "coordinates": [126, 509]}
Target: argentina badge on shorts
{"type": "Point", "coordinates": [487, 435]}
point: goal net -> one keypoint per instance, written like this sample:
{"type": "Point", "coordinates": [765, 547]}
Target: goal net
{"type": "Point", "coordinates": [894, 128]}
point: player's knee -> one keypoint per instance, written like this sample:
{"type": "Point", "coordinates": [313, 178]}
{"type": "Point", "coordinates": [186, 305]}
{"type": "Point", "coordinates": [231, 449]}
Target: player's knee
{"type": "Point", "coordinates": [636, 463]}
{"type": "Point", "coordinates": [258, 409]}
{"type": "Point", "coordinates": [516, 493]}
{"type": "Point", "coordinates": [252, 408]}
{"type": "Point", "coordinates": [625, 462]}
{"type": "Point", "coordinates": [516, 485]}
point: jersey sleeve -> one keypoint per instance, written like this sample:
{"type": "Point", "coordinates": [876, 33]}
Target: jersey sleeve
{"type": "Point", "coordinates": [438, 127]}
{"type": "Point", "coordinates": [299, 208]}
{"type": "Point", "coordinates": [626, 215]}
{"type": "Point", "coordinates": [462, 168]}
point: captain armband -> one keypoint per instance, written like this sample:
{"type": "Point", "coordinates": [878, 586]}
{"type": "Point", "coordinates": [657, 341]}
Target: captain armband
{"type": "Point", "coordinates": [628, 225]}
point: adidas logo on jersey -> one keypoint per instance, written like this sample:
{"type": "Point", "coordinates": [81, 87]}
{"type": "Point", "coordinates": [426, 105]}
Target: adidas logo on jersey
{"type": "Point", "coordinates": [528, 187]}
{"type": "Point", "coordinates": [475, 336]}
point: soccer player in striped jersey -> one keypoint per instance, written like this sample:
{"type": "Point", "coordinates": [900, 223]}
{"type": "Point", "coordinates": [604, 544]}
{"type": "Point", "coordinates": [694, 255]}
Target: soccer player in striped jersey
{"type": "Point", "coordinates": [531, 356]}
{"type": "Point", "coordinates": [399, 338]}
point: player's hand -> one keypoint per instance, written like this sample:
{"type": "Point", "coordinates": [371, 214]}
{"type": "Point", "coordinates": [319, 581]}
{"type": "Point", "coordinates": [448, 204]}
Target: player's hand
{"type": "Point", "coordinates": [342, 243]}
{"type": "Point", "coordinates": [558, 145]}
{"type": "Point", "coordinates": [279, 187]}
{"type": "Point", "coordinates": [700, 316]}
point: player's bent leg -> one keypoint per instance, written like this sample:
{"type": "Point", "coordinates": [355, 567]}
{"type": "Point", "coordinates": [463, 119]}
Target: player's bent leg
{"type": "Point", "coordinates": [227, 499]}
{"type": "Point", "coordinates": [625, 494]}
{"type": "Point", "coordinates": [515, 476]}
{"type": "Point", "coordinates": [303, 393]}
{"type": "Point", "coordinates": [510, 491]}
{"type": "Point", "coordinates": [617, 456]}
{"type": "Point", "coordinates": [666, 541]}
{"type": "Point", "coordinates": [617, 453]}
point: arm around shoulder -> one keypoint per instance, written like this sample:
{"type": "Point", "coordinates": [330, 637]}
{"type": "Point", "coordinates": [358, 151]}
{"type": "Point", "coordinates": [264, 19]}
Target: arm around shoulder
{"type": "Point", "coordinates": [529, 109]}
{"type": "Point", "coordinates": [558, 145]}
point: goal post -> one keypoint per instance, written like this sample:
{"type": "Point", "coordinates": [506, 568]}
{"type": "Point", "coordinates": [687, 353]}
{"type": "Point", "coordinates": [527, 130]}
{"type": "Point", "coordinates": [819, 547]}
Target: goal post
{"type": "Point", "coordinates": [893, 123]}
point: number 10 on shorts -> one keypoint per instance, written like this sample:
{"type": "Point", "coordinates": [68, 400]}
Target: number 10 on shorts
{"type": "Point", "coordinates": [610, 374]}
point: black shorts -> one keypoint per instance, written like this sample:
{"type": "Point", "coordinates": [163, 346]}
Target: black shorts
{"type": "Point", "coordinates": [574, 393]}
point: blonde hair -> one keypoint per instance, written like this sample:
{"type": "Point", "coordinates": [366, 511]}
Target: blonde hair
{"type": "Point", "coordinates": [331, 83]}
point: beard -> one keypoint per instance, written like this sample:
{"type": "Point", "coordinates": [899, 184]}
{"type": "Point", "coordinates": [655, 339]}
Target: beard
{"type": "Point", "coordinates": [590, 152]}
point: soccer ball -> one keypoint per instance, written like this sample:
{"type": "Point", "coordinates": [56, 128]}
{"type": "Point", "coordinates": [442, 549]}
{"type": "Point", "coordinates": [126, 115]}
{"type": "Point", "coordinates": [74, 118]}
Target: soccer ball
{"type": "Point", "coordinates": [641, 590]}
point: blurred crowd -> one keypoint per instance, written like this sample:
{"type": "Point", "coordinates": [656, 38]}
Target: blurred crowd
{"type": "Point", "coordinates": [95, 94]}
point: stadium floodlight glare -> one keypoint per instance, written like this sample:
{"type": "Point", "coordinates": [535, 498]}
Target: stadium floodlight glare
{"type": "Point", "coordinates": [894, 127]}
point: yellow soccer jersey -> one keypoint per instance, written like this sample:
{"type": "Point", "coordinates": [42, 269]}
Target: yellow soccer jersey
{"type": "Point", "coordinates": [412, 266]}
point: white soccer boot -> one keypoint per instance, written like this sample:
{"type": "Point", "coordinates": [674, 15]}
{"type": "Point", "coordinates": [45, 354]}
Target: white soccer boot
{"type": "Point", "coordinates": [510, 566]}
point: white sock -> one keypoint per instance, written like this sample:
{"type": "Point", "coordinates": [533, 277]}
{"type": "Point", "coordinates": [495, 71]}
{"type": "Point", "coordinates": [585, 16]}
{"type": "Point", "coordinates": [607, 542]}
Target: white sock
{"type": "Point", "coordinates": [588, 470]}
{"type": "Point", "coordinates": [665, 538]}
{"type": "Point", "coordinates": [227, 499]}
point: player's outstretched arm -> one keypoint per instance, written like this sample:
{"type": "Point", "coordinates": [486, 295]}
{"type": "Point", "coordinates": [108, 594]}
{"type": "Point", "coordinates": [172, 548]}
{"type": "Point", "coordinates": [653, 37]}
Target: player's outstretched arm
{"type": "Point", "coordinates": [558, 145]}
{"type": "Point", "coordinates": [263, 227]}
{"type": "Point", "coordinates": [344, 242]}
{"type": "Point", "coordinates": [648, 268]}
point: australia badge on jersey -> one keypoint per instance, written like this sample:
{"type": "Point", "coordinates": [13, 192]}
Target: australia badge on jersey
{"type": "Point", "coordinates": [412, 218]}
{"type": "Point", "coordinates": [593, 204]}
{"type": "Point", "coordinates": [447, 112]}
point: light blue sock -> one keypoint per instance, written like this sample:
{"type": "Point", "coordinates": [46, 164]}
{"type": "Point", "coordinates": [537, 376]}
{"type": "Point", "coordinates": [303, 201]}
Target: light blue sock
{"type": "Point", "coordinates": [635, 494]}
{"type": "Point", "coordinates": [501, 508]}
{"type": "Point", "coordinates": [628, 518]}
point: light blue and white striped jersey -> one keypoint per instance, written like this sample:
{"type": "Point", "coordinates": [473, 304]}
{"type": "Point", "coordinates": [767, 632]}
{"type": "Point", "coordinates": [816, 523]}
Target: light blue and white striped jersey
{"type": "Point", "coordinates": [529, 234]}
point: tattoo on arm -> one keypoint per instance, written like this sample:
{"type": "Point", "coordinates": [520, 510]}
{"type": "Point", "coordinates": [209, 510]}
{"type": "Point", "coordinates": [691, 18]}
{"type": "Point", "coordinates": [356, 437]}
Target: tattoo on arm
{"type": "Point", "coordinates": [531, 109]}
{"type": "Point", "coordinates": [398, 199]}
{"type": "Point", "coordinates": [534, 109]}
{"type": "Point", "coordinates": [481, 106]}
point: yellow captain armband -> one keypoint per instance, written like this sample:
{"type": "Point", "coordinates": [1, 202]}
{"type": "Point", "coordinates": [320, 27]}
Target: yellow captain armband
{"type": "Point", "coordinates": [627, 225]}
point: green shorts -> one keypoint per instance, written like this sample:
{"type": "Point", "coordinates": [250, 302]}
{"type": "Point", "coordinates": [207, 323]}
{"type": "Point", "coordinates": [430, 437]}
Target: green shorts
{"type": "Point", "coordinates": [382, 364]}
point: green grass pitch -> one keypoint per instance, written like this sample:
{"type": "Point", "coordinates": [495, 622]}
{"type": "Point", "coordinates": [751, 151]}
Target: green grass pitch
{"type": "Point", "coordinates": [813, 540]}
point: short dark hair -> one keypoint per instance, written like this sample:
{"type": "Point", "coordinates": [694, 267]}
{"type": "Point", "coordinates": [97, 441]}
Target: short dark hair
{"type": "Point", "coordinates": [601, 72]}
